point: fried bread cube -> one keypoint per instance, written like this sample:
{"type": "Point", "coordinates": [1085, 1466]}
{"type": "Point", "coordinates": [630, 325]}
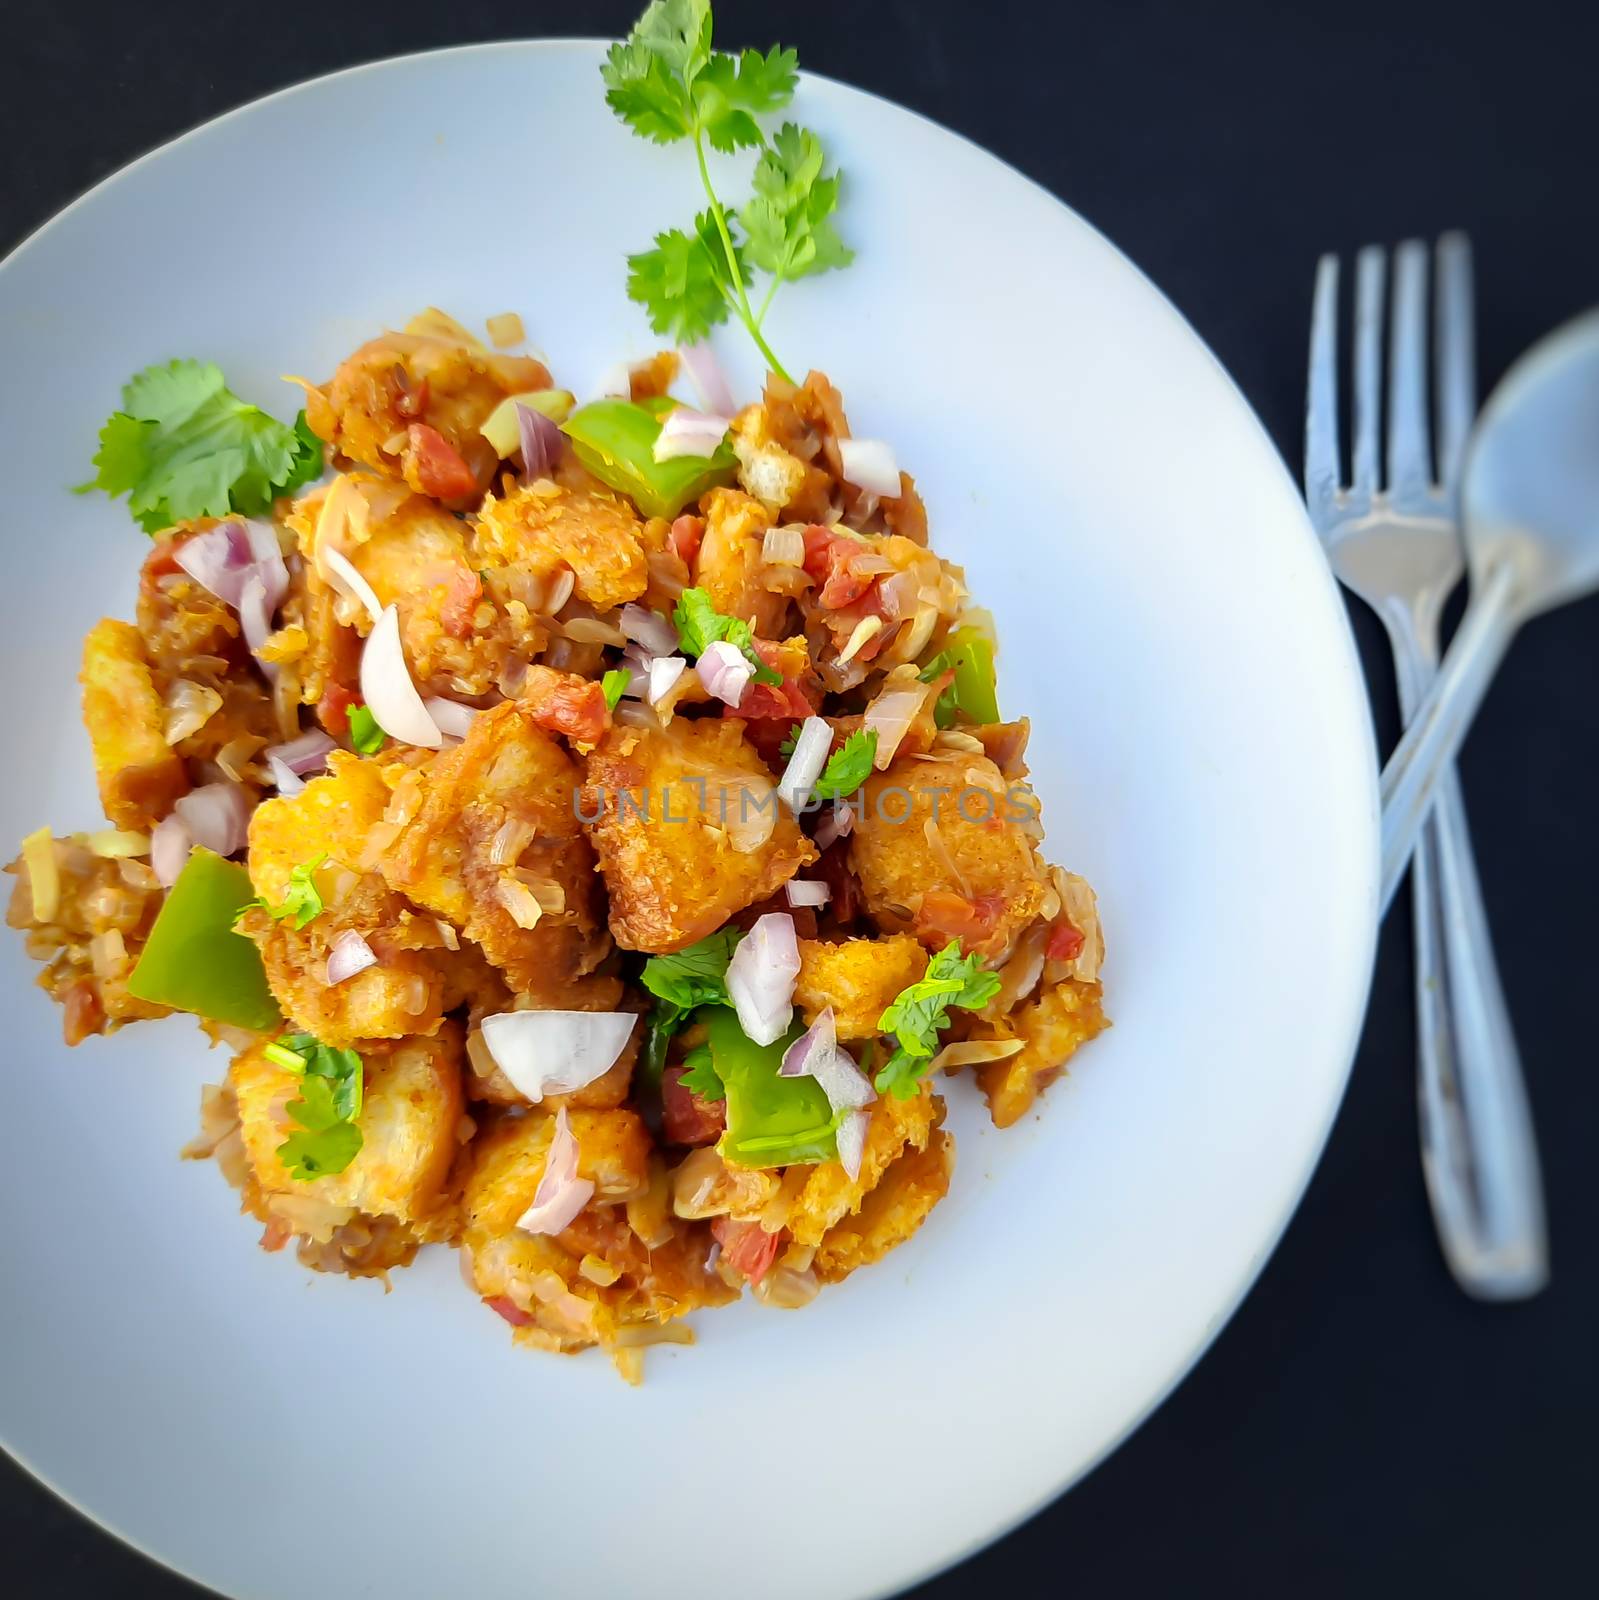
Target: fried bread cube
{"type": "Point", "coordinates": [488, 837]}
{"type": "Point", "coordinates": [1064, 1016]}
{"type": "Point", "coordinates": [673, 807]}
{"type": "Point", "coordinates": [139, 774]}
{"type": "Point", "coordinates": [942, 850]}
{"type": "Point", "coordinates": [858, 978]}
{"type": "Point", "coordinates": [541, 527]}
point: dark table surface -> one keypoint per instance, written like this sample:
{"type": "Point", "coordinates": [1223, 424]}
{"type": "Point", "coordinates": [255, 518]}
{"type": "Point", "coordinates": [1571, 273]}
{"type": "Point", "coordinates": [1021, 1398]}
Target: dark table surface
{"type": "Point", "coordinates": [1360, 1427]}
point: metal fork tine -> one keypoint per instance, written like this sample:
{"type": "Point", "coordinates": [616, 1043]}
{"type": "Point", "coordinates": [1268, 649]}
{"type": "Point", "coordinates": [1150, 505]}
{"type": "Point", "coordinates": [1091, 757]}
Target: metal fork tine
{"type": "Point", "coordinates": [1321, 399]}
{"type": "Point", "coordinates": [1409, 445]}
{"type": "Point", "coordinates": [1370, 271]}
{"type": "Point", "coordinates": [1455, 338]}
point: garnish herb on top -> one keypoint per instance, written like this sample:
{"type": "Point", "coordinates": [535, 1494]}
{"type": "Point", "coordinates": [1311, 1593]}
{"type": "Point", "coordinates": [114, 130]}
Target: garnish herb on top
{"type": "Point", "coordinates": [921, 1010]}
{"type": "Point", "coordinates": [700, 1074]}
{"type": "Point", "coordinates": [183, 445]}
{"type": "Point", "coordinates": [366, 733]}
{"type": "Point", "coordinates": [327, 1139]}
{"type": "Point", "coordinates": [693, 977]}
{"type": "Point", "coordinates": [302, 900]}
{"type": "Point", "coordinates": [848, 766]}
{"type": "Point", "coordinates": [613, 683]}
{"type": "Point", "coordinates": [700, 624]}
{"type": "Point", "coordinates": [667, 84]}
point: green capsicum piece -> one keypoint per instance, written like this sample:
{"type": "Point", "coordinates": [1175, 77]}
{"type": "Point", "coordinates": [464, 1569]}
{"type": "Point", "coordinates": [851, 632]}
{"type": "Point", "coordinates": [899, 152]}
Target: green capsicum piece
{"type": "Point", "coordinates": [971, 654]}
{"type": "Point", "coordinates": [615, 440]}
{"type": "Point", "coordinates": [194, 961]}
{"type": "Point", "coordinates": [771, 1121]}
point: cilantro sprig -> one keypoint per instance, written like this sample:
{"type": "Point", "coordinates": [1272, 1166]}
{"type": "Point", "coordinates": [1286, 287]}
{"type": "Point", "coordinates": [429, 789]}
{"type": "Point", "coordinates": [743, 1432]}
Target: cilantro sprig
{"type": "Point", "coordinates": [848, 766]}
{"type": "Point", "coordinates": [302, 900]}
{"type": "Point", "coordinates": [681, 982]}
{"type": "Point", "coordinates": [701, 1077]}
{"type": "Point", "coordinates": [332, 1091]}
{"type": "Point", "coordinates": [700, 624]}
{"type": "Point", "coordinates": [921, 1010]}
{"type": "Point", "coordinates": [667, 84]}
{"type": "Point", "coordinates": [183, 445]}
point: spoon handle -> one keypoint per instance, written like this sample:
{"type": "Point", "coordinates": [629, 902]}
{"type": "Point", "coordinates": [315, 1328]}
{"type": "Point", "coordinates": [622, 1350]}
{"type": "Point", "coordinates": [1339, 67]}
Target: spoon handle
{"type": "Point", "coordinates": [1434, 737]}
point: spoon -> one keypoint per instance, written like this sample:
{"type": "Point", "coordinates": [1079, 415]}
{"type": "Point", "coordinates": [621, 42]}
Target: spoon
{"type": "Point", "coordinates": [1530, 514]}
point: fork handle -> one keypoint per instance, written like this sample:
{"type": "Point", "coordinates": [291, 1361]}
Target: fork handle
{"type": "Point", "coordinates": [1479, 1156]}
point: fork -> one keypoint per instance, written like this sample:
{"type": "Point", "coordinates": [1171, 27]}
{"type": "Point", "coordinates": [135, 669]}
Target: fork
{"type": "Point", "coordinates": [1394, 541]}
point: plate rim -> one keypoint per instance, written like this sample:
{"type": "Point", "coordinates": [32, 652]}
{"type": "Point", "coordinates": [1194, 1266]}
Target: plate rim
{"type": "Point", "coordinates": [1353, 675]}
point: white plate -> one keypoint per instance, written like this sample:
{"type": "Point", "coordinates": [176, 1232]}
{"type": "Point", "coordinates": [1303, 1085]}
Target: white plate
{"type": "Point", "coordinates": [1201, 742]}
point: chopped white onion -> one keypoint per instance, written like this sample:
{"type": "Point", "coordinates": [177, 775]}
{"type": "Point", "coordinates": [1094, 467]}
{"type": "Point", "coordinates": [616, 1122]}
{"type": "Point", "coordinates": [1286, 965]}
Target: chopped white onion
{"type": "Point", "coordinates": [852, 1142]}
{"type": "Point", "coordinates": [306, 754]}
{"type": "Point", "coordinates": [217, 816]}
{"type": "Point", "coordinates": [649, 629]}
{"type": "Point", "coordinates": [349, 580]}
{"type": "Point", "coordinates": [725, 672]}
{"type": "Point", "coordinates": [839, 823]}
{"type": "Point", "coordinates": [805, 765]}
{"type": "Point", "coordinates": [807, 892]}
{"type": "Point", "coordinates": [784, 547]}
{"type": "Point", "coordinates": [170, 845]}
{"type": "Point", "coordinates": [284, 776]}
{"type": "Point", "coordinates": [350, 954]}
{"type": "Point", "coordinates": [869, 464]}
{"type": "Point", "coordinates": [705, 373]}
{"type": "Point", "coordinates": [890, 716]}
{"type": "Point", "coordinates": [761, 976]}
{"type": "Point", "coordinates": [663, 675]}
{"type": "Point", "coordinates": [687, 432]}
{"type": "Point", "coordinates": [387, 688]}
{"type": "Point", "coordinates": [450, 716]}
{"type": "Point", "coordinates": [555, 1052]}
{"type": "Point", "coordinates": [561, 1194]}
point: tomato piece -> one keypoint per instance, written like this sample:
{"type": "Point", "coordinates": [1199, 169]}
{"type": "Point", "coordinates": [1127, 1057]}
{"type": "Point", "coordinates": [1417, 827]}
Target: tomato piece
{"type": "Point", "coordinates": [433, 466]}
{"type": "Point", "coordinates": [746, 1246]}
{"type": "Point", "coordinates": [333, 709]}
{"type": "Point", "coordinates": [509, 1309]}
{"type": "Point", "coordinates": [953, 916]}
{"type": "Point", "coordinates": [684, 539]}
{"type": "Point", "coordinates": [1065, 943]}
{"type": "Point", "coordinates": [688, 1118]}
{"type": "Point", "coordinates": [566, 704]}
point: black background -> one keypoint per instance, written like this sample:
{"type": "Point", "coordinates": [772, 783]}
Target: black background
{"type": "Point", "coordinates": [1360, 1426]}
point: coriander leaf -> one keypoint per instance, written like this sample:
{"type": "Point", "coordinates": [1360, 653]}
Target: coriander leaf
{"type": "Point", "coordinates": [330, 1099]}
{"type": "Point", "coordinates": [642, 90]}
{"type": "Point", "coordinates": [728, 90]}
{"type": "Point", "coordinates": [787, 746]}
{"type": "Point", "coordinates": [183, 446]}
{"type": "Point", "coordinates": [696, 976]}
{"type": "Point", "coordinates": [366, 733]}
{"type": "Point", "coordinates": [310, 458]}
{"type": "Point", "coordinates": [677, 33]}
{"type": "Point", "coordinates": [302, 900]}
{"type": "Point", "coordinates": [921, 1010]}
{"type": "Point", "coordinates": [320, 1152]}
{"type": "Point", "coordinates": [848, 766]}
{"type": "Point", "coordinates": [682, 282]}
{"type": "Point", "coordinates": [613, 683]}
{"type": "Point", "coordinates": [701, 1078]}
{"type": "Point", "coordinates": [700, 624]}
{"type": "Point", "coordinates": [790, 235]}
